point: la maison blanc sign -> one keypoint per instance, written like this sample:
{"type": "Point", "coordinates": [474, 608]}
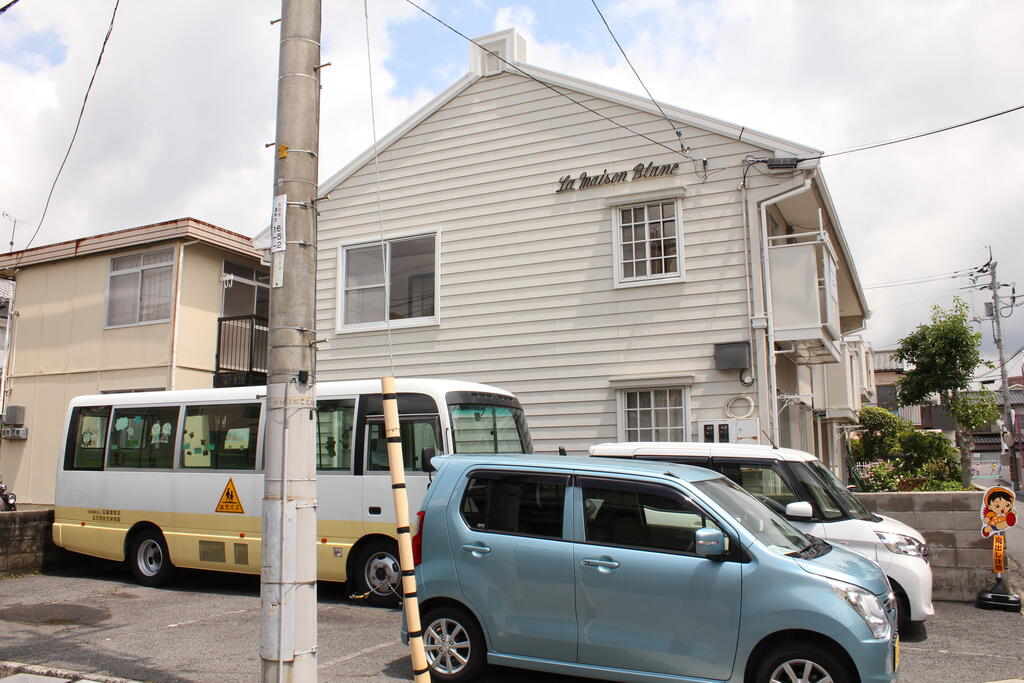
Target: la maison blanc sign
{"type": "Point", "coordinates": [639, 172]}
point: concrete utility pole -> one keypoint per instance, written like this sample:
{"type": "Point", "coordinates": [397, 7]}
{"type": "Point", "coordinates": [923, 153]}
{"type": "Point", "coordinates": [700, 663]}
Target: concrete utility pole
{"type": "Point", "coordinates": [997, 333]}
{"type": "Point", "coordinates": [288, 641]}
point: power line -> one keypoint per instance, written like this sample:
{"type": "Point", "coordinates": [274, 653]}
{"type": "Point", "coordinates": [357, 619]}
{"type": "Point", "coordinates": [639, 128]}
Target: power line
{"type": "Point", "coordinates": [8, 6]}
{"type": "Point", "coordinates": [676, 130]}
{"type": "Point", "coordinates": [74, 135]}
{"type": "Point", "coordinates": [921, 135]}
{"type": "Point", "coordinates": [921, 279]}
{"type": "Point", "coordinates": [546, 85]}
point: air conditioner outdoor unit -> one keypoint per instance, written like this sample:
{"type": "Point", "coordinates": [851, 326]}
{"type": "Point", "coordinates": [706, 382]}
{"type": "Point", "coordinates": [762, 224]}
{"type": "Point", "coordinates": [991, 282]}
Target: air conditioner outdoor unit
{"type": "Point", "coordinates": [14, 432]}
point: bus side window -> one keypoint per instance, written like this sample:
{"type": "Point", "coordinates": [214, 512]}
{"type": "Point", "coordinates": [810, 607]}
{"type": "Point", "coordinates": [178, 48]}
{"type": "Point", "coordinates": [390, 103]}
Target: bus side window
{"type": "Point", "coordinates": [416, 432]}
{"type": "Point", "coordinates": [220, 437]}
{"type": "Point", "coordinates": [334, 434]}
{"type": "Point", "coordinates": [87, 438]}
{"type": "Point", "coordinates": [143, 437]}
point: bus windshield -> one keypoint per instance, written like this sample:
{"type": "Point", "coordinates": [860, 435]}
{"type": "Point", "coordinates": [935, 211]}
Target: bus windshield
{"type": "Point", "coordinates": [481, 428]}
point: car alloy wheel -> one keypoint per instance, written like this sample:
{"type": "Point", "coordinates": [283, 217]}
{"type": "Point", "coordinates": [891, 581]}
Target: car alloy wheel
{"type": "Point", "coordinates": [448, 646]}
{"type": "Point", "coordinates": [800, 671]}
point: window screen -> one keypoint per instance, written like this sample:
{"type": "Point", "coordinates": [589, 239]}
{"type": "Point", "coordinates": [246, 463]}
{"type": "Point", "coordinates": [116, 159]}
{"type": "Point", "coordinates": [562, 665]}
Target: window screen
{"type": "Point", "coordinates": [529, 505]}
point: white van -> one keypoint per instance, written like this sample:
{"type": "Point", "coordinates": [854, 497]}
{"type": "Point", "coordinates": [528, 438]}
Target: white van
{"type": "Point", "coordinates": [798, 485]}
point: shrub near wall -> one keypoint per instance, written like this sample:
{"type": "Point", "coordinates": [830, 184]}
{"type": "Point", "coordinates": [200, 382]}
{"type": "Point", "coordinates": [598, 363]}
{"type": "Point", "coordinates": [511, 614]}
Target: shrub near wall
{"type": "Point", "coordinates": [950, 522]}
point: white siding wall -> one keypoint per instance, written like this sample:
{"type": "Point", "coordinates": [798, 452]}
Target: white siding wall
{"type": "Point", "coordinates": [527, 298]}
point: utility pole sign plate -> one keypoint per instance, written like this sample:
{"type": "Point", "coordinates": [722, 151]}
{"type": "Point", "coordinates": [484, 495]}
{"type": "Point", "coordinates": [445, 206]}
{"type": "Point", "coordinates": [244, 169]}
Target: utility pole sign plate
{"type": "Point", "coordinates": [278, 236]}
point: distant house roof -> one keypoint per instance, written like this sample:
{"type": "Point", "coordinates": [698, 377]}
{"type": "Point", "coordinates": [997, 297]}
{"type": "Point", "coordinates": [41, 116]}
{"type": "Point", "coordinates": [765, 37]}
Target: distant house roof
{"type": "Point", "coordinates": [1016, 397]}
{"type": "Point", "coordinates": [885, 361]}
{"type": "Point", "coordinates": [143, 235]}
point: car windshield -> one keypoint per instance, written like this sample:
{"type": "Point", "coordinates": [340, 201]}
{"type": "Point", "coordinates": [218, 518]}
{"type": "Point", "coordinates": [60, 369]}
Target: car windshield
{"type": "Point", "coordinates": [479, 428]}
{"type": "Point", "coordinates": [853, 506]}
{"type": "Point", "coordinates": [771, 529]}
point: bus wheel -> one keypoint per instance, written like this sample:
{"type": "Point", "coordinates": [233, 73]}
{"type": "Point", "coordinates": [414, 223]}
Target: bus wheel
{"type": "Point", "coordinates": [376, 574]}
{"type": "Point", "coordinates": [150, 561]}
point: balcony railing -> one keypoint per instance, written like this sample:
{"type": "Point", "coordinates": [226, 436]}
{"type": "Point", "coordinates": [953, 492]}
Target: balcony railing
{"type": "Point", "coordinates": [805, 296]}
{"type": "Point", "coordinates": [241, 351]}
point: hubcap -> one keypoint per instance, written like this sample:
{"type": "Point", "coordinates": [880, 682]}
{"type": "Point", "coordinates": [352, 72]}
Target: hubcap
{"type": "Point", "coordinates": [150, 557]}
{"type": "Point", "coordinates": [447, 645]}
{"type": "Point", "coordinates": [382, 573]}
{"type": "Point", "coordinates": [800, 671]}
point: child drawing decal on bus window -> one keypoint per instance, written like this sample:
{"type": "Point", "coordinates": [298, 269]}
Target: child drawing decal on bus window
{"type": "Point", "coordinates": [997, 512]}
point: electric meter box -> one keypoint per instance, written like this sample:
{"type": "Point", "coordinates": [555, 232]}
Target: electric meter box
{"type": "Point", "coordinates": [745, 430]}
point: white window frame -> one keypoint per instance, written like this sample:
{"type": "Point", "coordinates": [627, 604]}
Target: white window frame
{"type": "Point", "coordinates": [174, 285]}
{"type": "Point", "coordinates": [620, 405]}
{"type": "Point", "coordinates": [646, 280]}
{"type": "Point", "coordinates": [427, 321]}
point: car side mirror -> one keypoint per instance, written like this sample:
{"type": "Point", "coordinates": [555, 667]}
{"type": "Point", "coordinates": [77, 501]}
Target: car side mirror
{"type": "Point", "coordinates": [427, 454]}
{"type": "Point", "coordinates": [800, 509]}
{"type": "Point", "coordinates": [710, 542]}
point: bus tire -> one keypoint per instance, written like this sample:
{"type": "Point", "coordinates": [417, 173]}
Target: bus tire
{"type": "Point", "coordinates": [149, 559]}
{"type": "Point", "coordinates": [377, 574]}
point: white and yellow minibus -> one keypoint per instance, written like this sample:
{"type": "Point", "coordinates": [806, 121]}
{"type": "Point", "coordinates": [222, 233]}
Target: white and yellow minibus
{"type": "Point", "coordinates": [174, 478]}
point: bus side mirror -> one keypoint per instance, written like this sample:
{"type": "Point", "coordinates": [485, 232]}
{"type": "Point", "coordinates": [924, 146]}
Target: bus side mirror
{"type": "Point", "coordinates": [426, 456]}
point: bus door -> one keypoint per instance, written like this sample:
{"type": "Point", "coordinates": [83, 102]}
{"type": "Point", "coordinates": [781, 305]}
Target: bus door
{"type": "Point", "coordinates": [418, 432]}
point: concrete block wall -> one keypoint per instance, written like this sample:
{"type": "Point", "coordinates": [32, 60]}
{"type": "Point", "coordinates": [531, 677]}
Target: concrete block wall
{"type": "Point", "coordinates": [950, 521]}
{"type": "Point", "coordinates": [26, 543]}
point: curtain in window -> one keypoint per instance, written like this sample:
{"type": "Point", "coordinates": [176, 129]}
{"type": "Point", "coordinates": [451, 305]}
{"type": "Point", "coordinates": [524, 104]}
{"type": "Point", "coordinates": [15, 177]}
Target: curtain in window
{"type": "Point", "coordinates": [123, 302]}
{"type": "Point", "coordinates": [155, 294]}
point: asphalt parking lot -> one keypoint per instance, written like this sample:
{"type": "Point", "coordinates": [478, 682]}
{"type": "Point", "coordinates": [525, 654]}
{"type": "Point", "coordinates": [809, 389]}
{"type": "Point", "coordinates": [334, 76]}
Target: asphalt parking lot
{"type": "Point", "coordinates": [97, 620]}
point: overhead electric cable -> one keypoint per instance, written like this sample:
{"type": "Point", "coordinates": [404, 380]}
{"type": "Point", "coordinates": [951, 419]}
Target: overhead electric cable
{"type": "Point", "coordinates": [380, 218]}
{"type": "Point", "coordinates": [546, 85]}
{"type": "Point", "coordinates": [8, 6]}
{"type": "Point", "coordinates": [74, 135]}
{"type": "Point", "coordinates": [675, 129]}
{"type": "Point", "coordinates": [921, 135]}
{"type": "Point", "coordinates": [919, 280]}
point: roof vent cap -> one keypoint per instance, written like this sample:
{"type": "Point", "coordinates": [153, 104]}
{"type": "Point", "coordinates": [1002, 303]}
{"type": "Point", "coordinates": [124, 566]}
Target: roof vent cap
{"type": "Point", "coordinates": [506, 44]}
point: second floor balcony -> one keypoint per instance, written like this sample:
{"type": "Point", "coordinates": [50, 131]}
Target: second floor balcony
{"type": "Point", "coordinates": [241, 351]}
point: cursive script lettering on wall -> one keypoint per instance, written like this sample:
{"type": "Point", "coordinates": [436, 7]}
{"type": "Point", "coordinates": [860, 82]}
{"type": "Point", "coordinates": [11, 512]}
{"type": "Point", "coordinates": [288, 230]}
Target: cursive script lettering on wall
{"type": "Point", "coordinates": [639, 172]}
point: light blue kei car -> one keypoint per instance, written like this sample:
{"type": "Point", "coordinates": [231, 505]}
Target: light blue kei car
{"type": "Point", "coordinates": [637, 571]}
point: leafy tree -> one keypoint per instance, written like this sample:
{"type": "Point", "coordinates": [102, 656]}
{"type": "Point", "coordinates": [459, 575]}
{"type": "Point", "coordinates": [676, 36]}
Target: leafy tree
{"type": "Point", "coordinates": [944, 356]}
{"type": "Point", "coordinates": [880, 438]}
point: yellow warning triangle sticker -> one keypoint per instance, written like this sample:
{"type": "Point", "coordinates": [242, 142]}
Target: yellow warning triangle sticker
{"type": "Point", "coordinates": [229, 500]}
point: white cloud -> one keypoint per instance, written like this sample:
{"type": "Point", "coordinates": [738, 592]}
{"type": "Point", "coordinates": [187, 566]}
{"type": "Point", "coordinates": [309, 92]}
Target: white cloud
{"type": "Point", "coordinates": [185, 100]}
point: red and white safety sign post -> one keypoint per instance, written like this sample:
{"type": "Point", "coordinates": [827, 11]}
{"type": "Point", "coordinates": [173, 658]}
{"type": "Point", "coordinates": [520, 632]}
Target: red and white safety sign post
{"type": "Point", "coordinates": [997, 515]}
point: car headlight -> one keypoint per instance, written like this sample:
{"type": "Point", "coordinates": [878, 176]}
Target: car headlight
{"type": "Point", "coordinates": [902, 545]}
{"type": "Point", "coordinates": [868, 606]}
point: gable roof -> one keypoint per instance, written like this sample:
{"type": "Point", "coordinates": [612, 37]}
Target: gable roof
{"type": "Point", "coordinates": [562, 81]}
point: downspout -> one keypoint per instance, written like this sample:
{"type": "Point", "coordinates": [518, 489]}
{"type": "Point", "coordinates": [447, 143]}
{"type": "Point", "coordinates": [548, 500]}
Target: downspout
{"type": "Point", "coordinates": [172, 373]}
{"type": "Point", "coordinates": [773, 407]}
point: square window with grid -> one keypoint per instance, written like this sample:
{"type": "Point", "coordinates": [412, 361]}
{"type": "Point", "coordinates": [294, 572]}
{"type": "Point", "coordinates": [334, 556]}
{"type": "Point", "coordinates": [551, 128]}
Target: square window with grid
{"type": "Point", "coordinates": [655, 415]}
{"type": "Point", "coordinates": [648, 241]}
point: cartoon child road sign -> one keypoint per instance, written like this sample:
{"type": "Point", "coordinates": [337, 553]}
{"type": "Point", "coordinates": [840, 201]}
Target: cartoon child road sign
{"type": "Point", "coordinates": [997, 511]}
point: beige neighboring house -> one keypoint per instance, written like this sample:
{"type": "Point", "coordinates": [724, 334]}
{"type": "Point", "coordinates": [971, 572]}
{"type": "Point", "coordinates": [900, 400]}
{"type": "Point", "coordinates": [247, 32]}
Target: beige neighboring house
{"type": "Point", "coordinates": [137, 309]}
{"type": "Point", "coordinates": [621, 289]}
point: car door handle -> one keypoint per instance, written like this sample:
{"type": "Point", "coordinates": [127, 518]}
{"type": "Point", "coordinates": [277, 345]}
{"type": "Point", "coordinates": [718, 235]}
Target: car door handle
{"type": "Point", "coordinates": [603, 564]}
{"type": "Point", "coordinates": [476, 549]}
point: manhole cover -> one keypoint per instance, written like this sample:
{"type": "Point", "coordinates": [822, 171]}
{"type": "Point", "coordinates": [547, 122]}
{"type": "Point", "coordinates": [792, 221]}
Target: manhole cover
{"type": "Point", "coordinates": [54, 614]}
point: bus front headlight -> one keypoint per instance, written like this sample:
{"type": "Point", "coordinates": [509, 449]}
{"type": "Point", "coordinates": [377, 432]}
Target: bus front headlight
{"type": "Point", "coordinates": [868, 606]}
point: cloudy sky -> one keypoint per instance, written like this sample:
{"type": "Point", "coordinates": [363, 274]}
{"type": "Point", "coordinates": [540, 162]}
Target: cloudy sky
{"type": "Point", "coordinates": [184, 102]}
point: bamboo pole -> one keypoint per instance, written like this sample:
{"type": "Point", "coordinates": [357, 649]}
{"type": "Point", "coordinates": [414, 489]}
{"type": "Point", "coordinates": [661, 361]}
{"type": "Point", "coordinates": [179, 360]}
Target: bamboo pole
{"type": "Point", "coordinates": [392, 430]}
